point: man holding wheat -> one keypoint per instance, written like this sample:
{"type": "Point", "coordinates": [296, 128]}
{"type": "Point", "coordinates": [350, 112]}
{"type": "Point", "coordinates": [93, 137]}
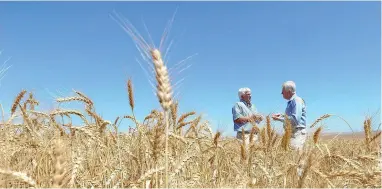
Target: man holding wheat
{"type": "Point", "coordinates": [296, 114]}
{"type": "Point", "coordinates": [244, 113]}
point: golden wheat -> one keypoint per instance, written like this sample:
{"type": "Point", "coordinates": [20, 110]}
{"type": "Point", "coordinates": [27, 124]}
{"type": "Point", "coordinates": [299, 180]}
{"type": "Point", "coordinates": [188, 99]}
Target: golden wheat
{"type": "Point", "coordinates": [316, 135]}
{"type": "Point", "coordinates": [196, 159]}
{"type": "Point", "coordinates": [325, 116]}
{"type": "Point", "coordinates": [131, 95]}
{"type": "Point", "coordinates": [17, 101]}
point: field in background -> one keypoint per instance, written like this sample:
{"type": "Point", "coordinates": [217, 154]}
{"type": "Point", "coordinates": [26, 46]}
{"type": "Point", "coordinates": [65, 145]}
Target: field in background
{"type": "Point", "coordinates": [347, 135]}
{"type": "Point", "coordinates": [47, 150]}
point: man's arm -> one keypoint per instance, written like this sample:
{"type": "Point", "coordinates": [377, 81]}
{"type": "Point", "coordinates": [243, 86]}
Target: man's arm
{"type": "Point", "coordinates": [278, 117]}
{"type": "Point", "coordinates": [256, 116]}
{"type": "Point", "coordinates": [241, 120]}
{"type": "Point", "coordinates": [296, 111]}
{"type": "Point", "coordinates": [237, 116]}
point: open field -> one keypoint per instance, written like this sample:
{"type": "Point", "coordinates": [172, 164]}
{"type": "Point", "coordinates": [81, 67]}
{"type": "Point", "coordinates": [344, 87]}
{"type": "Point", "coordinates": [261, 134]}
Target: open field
{"type": "Point", "coordinates": [171, 148]}
{"type": "Point", "coordinates": [347, 135]}
{"type": "Point", "coordinates": [47, 150]}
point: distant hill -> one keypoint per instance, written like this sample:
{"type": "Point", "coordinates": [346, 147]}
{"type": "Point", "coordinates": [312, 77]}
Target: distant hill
{"type": "Point", "coordinates": [346, 135]}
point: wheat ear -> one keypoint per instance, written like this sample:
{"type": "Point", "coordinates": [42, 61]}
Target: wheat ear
{"type": "Point", "coordinates": [288, 133]}
{"type": "Point", "coordinates": [22, 176]}
{"type": "Point", "coordinates": [184, 116]}
{"type": "Point", "coordinates": [252, 134]}
{"type": "Point", "coordinates": [263, 136]}
{"type": "Point", "coordinates": [367, 129]}
{"type": "Point", "coordinates": [86, 98]}
{"type": "Point", "coordinates": [59, 170]}
{"type": "Point", "coordinates": [164, 94]}
{"type": "Point", "coordinates": [164, 91]}
{"type": "Point", "coordinates": [375, 136]}
{"type": "Point", "coordinates": [243, 146]}
{"type": "Point", "coordinates": [269, 128]}
{"type": "Point", "coordinates": [174, 113]}
{"type": "Point", "coordinates": [17, 101]}
{"type": "Point", "coordinates": [131, 95]}
{"type": "Point", "coordinates": [325, 116]}
{"type": "Point", "coordinates": [216, 138]}
{"type": "Point", "coordinates": [74, 98]}
{"type": "Point", "coordinates": [76, 165]}
{"type": "Point", "coordinates": [305, 171]}
{"type": "Point", "coordinates": [316, 135]}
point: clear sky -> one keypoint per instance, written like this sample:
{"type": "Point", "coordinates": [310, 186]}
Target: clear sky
{"type": "Point", "coordinates": [330, 49]}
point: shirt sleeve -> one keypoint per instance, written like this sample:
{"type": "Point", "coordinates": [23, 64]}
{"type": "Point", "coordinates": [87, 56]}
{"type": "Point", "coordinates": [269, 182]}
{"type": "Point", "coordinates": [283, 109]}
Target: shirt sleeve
{"type": "Point", "coordinates": [236, 112]}
{"type": "Point", "coordinates": [296, 111]}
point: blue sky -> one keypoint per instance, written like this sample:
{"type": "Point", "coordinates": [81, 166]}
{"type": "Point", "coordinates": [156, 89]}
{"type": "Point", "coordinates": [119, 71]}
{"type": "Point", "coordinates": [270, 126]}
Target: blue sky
{"type": "Point", "coordinates": [330, 49]}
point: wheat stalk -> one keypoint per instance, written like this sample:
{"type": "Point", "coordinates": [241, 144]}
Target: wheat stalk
{"type": "Point", "coordinates": [174, 113]}
{"type": "Point", "coordinates": [184, 116]}
{"type": "Point", "coordinates": [180, 138]}
{"type": "Point", "coordinates": [59, 170]}
{"type": "Point", "coordinates": [86, 99]}
{"type": "Point", "coordinates": [164, 91]}
{"type": "Point", "coordinates": [243, 146]}
{"type": "Point", "coordinates": [17, 101]}
{"type": "Point", "coordinates": [149, 173]}
{"type": "Point", "coordinates": [77, 161]}
{"type": "Point", "coordinates": [375, 136]}
{"type": "Point", "coordinates": [74, 112]}
{"type": "Point", "coordinates": [316, 135]}
{"type": "Point", "coordinates": [305, 171]}
{"type": "Point", "coordinates": [164, 94]}
{"type": "Point", "coordinates": [131, 95]}
{"type": "Point", "coordinates": [252, 134]}
{"type": "Point", "coordinates": [19, 175]}
{"type": "Point", "coordinates": [367, 130]}
{"type": "Point", "coordinates": [288, 133]}
{"type": "Point", "coordinates": [182, 124]}
{"type": "Point", "coordinates": [263, 136]}
{"type": "Point", "coordinates": [181, 164]}
{"type": "Point", "coordinates": [269, 128]}
{"type": "Point", "coordinates": [74, 98]}
{"type": "Point", "coordinates": [324, 177]}
{"type": "Point", "coordinates": [216, 138]}
{"type": "Point", "coordinates": [325, 116]}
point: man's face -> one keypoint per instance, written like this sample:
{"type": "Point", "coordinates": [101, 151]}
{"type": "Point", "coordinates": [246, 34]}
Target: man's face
{"type": "Point", "coordinates": [247, 96]}
{"type": "Point", "coordinates": [286, 94]}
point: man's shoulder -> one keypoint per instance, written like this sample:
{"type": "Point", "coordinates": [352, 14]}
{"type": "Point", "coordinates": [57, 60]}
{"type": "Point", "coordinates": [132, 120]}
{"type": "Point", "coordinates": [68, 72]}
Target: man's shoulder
{"type": "Point", "coordinates": [299, 100]}
{"type": "Point", "coordinates": [238, 103]}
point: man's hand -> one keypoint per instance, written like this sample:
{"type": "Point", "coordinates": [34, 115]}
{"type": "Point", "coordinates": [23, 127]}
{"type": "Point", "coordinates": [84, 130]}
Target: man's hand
{"type": "Point", "coordinates": [257, 117]}
{"type": "Point", "coordinates": [276, 117]}
{"type": "Point", "coordinates": [260, 117]}
{"type": "Point", "coordinates": [250, 119]}
{"type": "Point", "coordinates": [242, 120]}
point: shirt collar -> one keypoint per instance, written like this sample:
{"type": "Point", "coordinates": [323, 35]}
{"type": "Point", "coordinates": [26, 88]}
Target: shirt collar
{"type": "Point", "coordinates": [293, 97]}
{"type": "Point", "coordinates": [247, 104]}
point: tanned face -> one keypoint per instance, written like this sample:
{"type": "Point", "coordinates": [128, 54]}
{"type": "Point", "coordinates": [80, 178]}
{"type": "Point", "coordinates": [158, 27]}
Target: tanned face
{"type": "Point", "coordinates": [286, 94]}
{"type": "Point", "coordinates": [247, 96]}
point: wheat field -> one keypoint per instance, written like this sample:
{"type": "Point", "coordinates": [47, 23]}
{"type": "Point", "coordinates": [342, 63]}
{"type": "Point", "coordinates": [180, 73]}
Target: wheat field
{"type": "Point", "coordinates": [46, 150]}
